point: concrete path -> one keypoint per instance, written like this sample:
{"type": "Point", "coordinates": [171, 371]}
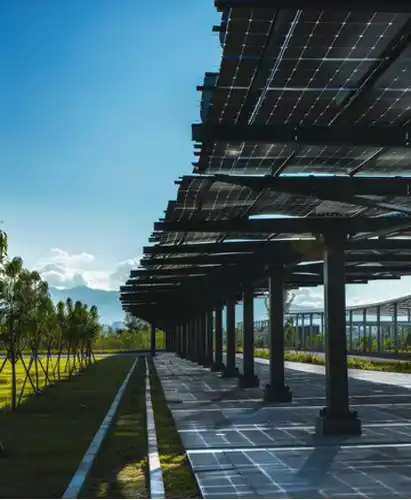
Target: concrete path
{"type": "Point", "coordinates": [240, 449]}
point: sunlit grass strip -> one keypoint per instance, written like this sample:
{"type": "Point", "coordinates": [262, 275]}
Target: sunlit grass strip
{"type": "Point", "coordinates": [179, 479]}
{"type": "Point", "coordinates": [79, 477]}
{"type": "Point", "coordinates": [46, 437]}
{"type": "Point", "coordinates": [120, 468]}
{"type": "Point", "coordinates": [25, 388]}
{"type": "Point", "coordinates": [385, 365]}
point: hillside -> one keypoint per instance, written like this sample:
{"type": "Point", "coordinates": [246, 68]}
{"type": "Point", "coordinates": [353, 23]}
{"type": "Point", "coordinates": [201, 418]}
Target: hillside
{"type": "Point", "coordinates": [108, 302]}
{"type": "Point", "coordinates": [109, 306]}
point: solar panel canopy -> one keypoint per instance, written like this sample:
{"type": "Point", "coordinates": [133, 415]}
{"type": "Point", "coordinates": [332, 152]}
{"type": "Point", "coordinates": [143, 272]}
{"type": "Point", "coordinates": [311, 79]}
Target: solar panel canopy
{"type": "Point", "coordinates": [307, 118]}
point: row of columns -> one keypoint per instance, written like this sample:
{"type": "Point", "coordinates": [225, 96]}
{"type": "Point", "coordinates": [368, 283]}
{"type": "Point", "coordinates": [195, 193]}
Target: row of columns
{"type": "Point", "coordinates": [194, 340]}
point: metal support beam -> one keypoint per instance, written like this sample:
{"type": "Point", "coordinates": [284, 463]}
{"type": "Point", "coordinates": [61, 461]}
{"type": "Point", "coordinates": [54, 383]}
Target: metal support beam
{"type": "Point", "coordinates": [276, 391]}
{"type": "Point", "coordinates": [231, 369]}
{"type": "Point", "coordinates": [248, 378]}
{"type": "Point", "coordinates": [218, 364]}
{"type": "Point", "coordinates": [314, 185]}
{"type": "Point", "coordinates": [309, 247]}
{"type": "Point", "coordinates": [336, 417]}
{"type": "Point", "coordinates": [317, 225]}
{"type": "Point", "coordinates": [354, 135]}
{"type": "Point", "coordinates": [343, 5]}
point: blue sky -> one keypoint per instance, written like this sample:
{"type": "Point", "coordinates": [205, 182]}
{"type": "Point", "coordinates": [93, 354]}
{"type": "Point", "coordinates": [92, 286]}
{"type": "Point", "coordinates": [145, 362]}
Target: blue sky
{"type": "Point", "coordinates": [97, 102]}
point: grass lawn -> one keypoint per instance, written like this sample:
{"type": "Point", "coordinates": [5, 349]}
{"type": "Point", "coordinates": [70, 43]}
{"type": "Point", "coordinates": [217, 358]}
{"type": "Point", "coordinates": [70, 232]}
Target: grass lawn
{"type": "Point", "coordinates": [5, 378]}
{"type": "Point", "coordinates": [46, 437]}
{"type": "Point", "coordinates": [179, 481]}
{"type": "Point", "coordinates": [120, 468]}
{"type": "Point", "coordinates": [385, 365]}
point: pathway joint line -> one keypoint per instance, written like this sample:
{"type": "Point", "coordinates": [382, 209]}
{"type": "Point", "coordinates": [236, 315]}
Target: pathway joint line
{"type": "Point", "coordinates": [154, 465]}
{"type": "Point", "coordinates": [83, 470]}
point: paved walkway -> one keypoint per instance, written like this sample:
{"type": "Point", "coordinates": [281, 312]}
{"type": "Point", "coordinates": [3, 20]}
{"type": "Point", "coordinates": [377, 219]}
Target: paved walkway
{"type": "Point", "coordinates": [240, 449]}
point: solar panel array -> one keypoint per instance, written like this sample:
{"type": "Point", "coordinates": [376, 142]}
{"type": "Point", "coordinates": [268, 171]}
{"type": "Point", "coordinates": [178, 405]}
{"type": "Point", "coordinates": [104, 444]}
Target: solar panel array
{"type": "Point", "coordinates": [299, 68]}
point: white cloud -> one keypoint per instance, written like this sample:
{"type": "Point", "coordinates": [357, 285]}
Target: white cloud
{"type": "Point", "coordinates": [65, 270]}
{"type": "Point", "coordinates": [309, 297]}
{"type": "Point", "coordinates": [121, 272]}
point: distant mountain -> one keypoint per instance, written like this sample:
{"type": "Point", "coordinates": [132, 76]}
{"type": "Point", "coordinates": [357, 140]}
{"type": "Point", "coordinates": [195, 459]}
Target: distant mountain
{"type": "Point", "coordinates": [108, 302]}
{"type": "Point", "coordinates": [111, 313]}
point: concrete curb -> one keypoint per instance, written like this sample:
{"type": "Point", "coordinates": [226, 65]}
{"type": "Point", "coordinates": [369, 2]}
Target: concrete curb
{"type": "Point", "coordinates": [154, 465]}
{"type": "Point", "coordinates": [80, 476]}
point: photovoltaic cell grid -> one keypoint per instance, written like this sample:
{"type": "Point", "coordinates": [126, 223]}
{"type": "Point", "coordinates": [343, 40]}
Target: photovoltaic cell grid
{"type": "Point", "coordinates": [200, 198]}
{"type": "Point", "coordinates": [301, 67]}
{"type": "Point", "coordinates": [315, 62]}
{"type": "Point", "coordinates": [318, 60]}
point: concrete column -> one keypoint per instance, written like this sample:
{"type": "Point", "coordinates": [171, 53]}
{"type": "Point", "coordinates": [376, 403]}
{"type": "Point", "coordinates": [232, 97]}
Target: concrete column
{"type": "Point", "coordinates": [248, 378]}
{"type": "Point", "coordinates": [202, 340]}
{"type": "Point", "coordinates": [195, 339]}
{"type": "Point", "coordinates": [173, 339]}
{"type": "Point", "coordinates": [208, 358]}
{"type": "Point", "coordinates": [322, 323]}
{"type": "Point", "coordinates": [336, 418]}
{"type": "Point", "coordinates": [231, 369]}
{"type": "Point", "coordinates": [276, 391]}
{"type": "Point", "coordinates": [183, 340]}
{"type": "Point", "coordinates": [198, 340]}
{"type": "Point", "coordinates": [153, 339]}
{"type": "Point", "coordinates": [218, 364]}
{"type": "Point", "coordinates": [178, 339]}
{"type": "Point", "coordinates": [192, 339]}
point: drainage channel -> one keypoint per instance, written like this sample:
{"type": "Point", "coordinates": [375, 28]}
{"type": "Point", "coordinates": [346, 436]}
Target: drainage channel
{"type": "Point", "coordinates": [154, 465]}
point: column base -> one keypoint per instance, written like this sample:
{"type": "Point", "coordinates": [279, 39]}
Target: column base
{"type": "Point", "coordinates": [207, 363]}
{"type": "Point", "coordinates": [217, 367]}
{"type": "Point", "coordinates": [277, 394]}
{"type": "Point", "coordinates": [337, 425]}
{"type": "Point", "coordinates": [230, 372]}
{"type": "Point", "coordinates": [153, 354]}
{"type": "Point", "coordinates": [248, 381]}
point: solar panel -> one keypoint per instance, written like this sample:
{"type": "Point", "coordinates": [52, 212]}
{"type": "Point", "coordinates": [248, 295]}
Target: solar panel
{"type": "Point", "coordinates": [300, 68]}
